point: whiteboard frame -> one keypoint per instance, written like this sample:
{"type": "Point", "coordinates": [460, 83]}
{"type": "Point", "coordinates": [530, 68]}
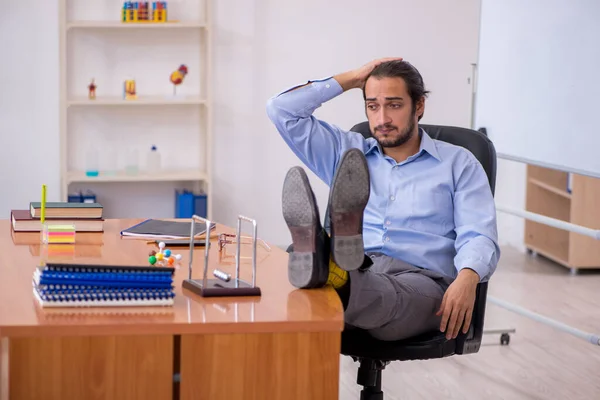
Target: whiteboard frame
{"type": "Point", "coordinates": [548, 165]}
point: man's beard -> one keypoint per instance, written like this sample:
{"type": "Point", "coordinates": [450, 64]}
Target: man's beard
{"type": "Point", "coordinates": [404, 136]}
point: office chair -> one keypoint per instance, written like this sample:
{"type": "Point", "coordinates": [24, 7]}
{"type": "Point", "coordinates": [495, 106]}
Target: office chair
{"type": "Point", "coordinates": [374, 355]}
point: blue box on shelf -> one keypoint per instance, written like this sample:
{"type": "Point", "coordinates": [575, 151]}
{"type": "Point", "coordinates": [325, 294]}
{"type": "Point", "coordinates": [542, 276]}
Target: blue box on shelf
{"type": "Point", "coordinates": [187, 204]}
{"type": "Point", "coordinates": [88, 197]}
{"type": "Point", "coordinates": [75, 198]}
{"type": "Point", "coordinates": [81, 197]}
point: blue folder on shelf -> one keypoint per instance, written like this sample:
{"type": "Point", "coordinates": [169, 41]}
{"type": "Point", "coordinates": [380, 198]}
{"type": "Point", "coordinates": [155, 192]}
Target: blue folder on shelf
{"type": "Point", "coordinates": [188, 203]}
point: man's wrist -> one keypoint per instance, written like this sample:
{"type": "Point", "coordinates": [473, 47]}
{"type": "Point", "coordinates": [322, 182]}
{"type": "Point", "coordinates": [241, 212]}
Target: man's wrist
{"type": "Point", "coordinates": [469, 274]}
{"type": "Point", "coordinates": [347, 80]}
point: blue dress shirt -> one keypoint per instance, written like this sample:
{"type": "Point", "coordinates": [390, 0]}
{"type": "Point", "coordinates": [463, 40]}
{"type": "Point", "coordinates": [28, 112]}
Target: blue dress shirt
{"type": "Point", "coordinates": [434, 210]}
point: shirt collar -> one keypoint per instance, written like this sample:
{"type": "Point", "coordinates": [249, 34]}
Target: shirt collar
{"type": "Point", "coordinates": [427, 144]}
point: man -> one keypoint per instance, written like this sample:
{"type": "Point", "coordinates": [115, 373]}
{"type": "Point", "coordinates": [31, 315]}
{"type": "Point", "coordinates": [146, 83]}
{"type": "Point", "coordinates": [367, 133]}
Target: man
{"type": "Point", "coordinates": [421, 209]}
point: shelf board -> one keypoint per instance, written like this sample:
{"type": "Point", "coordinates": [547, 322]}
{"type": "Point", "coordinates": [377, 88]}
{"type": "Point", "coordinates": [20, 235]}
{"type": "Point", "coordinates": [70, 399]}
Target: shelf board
{"type": "Point", "coordinates": [166, 176]}
{"type": "Point", "coordinates": [134, 25]}
{"type": "Point", "coordinates": [550, 188]}
{"type": "Point", "coordinates": [140, 101]}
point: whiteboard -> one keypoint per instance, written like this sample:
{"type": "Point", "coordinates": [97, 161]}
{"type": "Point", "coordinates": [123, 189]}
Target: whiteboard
{"type": "Point", "coordinates": [538, 82]}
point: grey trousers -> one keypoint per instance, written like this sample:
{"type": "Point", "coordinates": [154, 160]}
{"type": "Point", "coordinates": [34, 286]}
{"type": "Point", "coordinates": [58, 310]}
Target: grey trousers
{"type": "Point", "coordinates": [394, 300]}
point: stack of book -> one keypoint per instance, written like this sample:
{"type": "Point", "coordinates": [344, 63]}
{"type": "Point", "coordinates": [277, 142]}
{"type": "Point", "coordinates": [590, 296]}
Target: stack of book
{"type": "Point", "coordinates": [86, 217]}
{"type": "Point", "coordinates": [79, 285]}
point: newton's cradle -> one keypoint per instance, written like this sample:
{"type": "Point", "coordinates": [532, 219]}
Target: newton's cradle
{"type": "Point", "coordinates": [224, 285]}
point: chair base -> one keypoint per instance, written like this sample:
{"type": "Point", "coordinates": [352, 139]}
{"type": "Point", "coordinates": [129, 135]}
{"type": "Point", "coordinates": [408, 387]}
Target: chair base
{"type": "Point", "coordinates": [369, 377]}
{"type": "Point", "coordinates": [504, 334]}
{"type": "Point", "coordinates": [371, 394]}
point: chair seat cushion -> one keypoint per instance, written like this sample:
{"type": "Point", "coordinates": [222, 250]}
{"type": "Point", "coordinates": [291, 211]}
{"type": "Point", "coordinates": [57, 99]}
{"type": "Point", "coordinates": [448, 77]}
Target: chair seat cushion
{"type": "Point", "coordinates": [359, 343]}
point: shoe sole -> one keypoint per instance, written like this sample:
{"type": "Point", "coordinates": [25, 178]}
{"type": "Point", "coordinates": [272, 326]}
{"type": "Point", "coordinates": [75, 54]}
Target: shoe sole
{"type": "Point", "coordinates": [348, 198]}
{"type": "Point", "coordinates": [306, 267]}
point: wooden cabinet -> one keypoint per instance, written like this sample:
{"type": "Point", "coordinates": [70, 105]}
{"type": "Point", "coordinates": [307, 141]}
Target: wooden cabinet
{"type": "Point", "coordinates": [568, 197]}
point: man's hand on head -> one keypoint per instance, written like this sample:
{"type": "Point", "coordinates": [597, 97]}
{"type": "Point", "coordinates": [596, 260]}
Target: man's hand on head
{"type": "Point", "coordinates": [457, 305]}
{"type": "Point", "coordinates": [355, 79]}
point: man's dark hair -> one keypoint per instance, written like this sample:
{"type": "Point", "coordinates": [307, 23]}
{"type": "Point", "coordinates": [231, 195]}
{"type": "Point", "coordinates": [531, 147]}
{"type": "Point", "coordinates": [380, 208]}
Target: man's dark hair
{"type": "Point", "coordinates": [404, 70]}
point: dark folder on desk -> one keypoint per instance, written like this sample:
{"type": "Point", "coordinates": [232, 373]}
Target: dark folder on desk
{"type": "Point", "coordinates": [161, 229]}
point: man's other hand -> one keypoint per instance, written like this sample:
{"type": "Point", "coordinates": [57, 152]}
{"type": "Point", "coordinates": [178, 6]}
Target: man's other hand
{"type": "Point", "coordinates": [458, 303]}
{"type": "Point", "coordinates": [355, 79]}
{"type": "Point", "coordinates": [363, 72]}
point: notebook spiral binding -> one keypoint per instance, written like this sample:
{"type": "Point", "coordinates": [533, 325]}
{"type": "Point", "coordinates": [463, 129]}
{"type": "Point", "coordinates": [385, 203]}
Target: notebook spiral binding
{"type": "Point", "coordinates": [78, 285]}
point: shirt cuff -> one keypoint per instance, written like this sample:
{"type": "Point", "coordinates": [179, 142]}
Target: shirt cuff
{"type": "Point", "coordinates": [327, 88]}
{"type": "Point", "coordinates": [478, 266]}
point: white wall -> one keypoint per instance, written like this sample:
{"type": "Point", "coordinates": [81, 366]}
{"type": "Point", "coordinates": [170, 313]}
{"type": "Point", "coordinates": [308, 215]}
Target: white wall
{"type": "Point", "coordinates": [28, 102]}
{"type": "Point", "coordinates": [260, 48]}
{"type": "Point", "coordinates": [265, 46]}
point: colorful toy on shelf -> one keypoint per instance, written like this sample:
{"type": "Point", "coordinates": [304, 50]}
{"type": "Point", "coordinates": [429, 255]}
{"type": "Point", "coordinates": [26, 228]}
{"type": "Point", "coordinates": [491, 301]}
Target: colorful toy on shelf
{"type": "Point", "coordinates": [139, 11]}
{"type": "Point", "coordinates": [163, 256]}
{"type": "Point", "coordinates": [129, 91]}
{"type": "Point", "coordinates": [92, 90]}
{"type": "Point", "coordinates": [178, 76]}
{"type": "Point", "coordinates": [159, 11]}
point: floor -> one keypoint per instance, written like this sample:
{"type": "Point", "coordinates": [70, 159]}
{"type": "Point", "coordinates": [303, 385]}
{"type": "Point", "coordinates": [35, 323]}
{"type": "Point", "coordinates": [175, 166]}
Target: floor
{"type": "Point", "coordinates": [541, 362]}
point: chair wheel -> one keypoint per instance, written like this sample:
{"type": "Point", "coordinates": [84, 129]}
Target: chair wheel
{"type": "Point", "coordinates": [504, 339]}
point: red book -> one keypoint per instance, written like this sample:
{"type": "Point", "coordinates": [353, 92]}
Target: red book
{"type": "Point", "coordinates": [22, 221]}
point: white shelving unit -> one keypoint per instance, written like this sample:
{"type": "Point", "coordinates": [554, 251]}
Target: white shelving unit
{"type": "Point", "coordinates": [120, 25]}
{"type": "Point", "coordinates": [94, 43]}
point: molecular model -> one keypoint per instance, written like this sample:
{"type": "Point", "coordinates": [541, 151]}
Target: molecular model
{"type": "Point", "coordinates": [163, 256]}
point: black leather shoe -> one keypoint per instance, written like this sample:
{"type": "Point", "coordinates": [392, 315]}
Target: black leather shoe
{"type": "Point", "coordinates": [348, 198]}
{"type": "Point", "coordinates": [308, 265]}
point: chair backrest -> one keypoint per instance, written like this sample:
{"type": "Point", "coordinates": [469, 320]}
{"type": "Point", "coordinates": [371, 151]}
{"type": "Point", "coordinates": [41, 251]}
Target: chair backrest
{"type": "Point", "coordinates": [476, 142]}
{"type": "Point", "coordinates": [483, 149]}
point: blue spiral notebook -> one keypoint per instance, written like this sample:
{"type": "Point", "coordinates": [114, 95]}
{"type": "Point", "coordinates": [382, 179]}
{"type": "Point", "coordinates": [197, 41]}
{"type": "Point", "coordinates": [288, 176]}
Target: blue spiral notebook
{"type": "Point", "coordinates": [77, 285]}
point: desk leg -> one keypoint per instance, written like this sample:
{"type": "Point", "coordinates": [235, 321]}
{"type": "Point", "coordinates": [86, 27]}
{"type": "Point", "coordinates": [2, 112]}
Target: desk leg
{"type": "Point", "coordinates": [98, 367]}
{"type": "Point", "coordinates": [260, 366]}
{"type": "Point", "coordinates": [4, 369]}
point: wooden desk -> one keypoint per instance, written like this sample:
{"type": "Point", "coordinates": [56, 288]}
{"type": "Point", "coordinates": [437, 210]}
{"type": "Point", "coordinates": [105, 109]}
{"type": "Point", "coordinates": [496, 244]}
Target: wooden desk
{"type": "Point", "coordinates": [284, 344]}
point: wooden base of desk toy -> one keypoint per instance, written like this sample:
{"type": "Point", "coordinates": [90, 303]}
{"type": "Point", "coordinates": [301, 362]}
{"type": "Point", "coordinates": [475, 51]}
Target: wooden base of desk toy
{"type": "Point", "coordinates": [219, 288]}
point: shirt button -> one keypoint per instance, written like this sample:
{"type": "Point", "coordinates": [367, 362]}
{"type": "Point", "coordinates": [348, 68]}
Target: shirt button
{"type": "Point", "coordinates": [388, 222]}
{"type": "Point", "coordinates": [328, 86]}
{"type": "Point", "coordinates": [392, 198]}
{"type": "Point", "coordinates": [387, 239]}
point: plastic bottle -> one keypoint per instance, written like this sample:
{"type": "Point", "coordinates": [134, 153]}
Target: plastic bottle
{"type": "Point", "coordinates": [92, 162]}
{"type": "Point", "coordinates": [131, 162]}
{"type": "Point", "coordinates": [153, 161]}
{"type": "Point", "coordinates": [109, 162]}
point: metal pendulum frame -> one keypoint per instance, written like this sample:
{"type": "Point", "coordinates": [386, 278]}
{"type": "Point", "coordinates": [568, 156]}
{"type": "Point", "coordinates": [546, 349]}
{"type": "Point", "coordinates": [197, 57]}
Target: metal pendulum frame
{"type": "Point", "coordinates": [224, 285]}
{"type": "Point", "coordinates": [239, 245]}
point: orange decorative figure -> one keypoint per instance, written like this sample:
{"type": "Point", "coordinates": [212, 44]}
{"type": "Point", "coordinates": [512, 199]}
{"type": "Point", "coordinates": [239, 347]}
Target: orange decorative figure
{"type": "Point", "coordinates": [129, 91]}
{"type": "Point", "coordinates": [178, 76]}
{"type": "Point", "coordinates": [92, 90]}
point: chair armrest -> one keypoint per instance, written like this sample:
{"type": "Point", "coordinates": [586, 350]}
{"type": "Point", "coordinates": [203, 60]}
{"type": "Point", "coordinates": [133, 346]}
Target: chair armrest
{"type": "Point", "coordinates": [471, 341]}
